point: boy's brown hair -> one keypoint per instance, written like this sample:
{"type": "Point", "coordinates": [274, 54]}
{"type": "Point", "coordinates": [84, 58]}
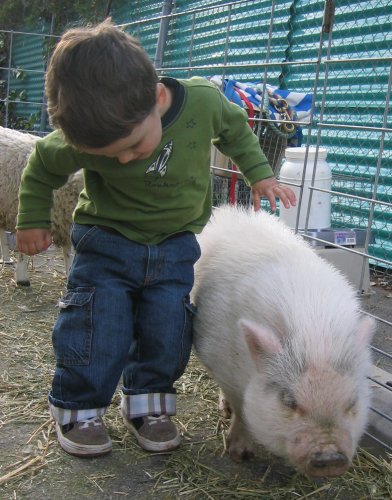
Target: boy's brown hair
{"type": "Point", "coordinates": [100, 83]}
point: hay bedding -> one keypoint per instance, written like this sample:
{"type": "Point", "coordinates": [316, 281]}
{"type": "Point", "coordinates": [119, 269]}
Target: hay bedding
{"type": "Point", "coordinates": [33, 466]}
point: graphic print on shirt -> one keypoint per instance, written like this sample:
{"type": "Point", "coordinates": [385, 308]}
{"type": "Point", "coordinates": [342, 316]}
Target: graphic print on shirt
{"type": "Point", "coordinates": [160, 164]}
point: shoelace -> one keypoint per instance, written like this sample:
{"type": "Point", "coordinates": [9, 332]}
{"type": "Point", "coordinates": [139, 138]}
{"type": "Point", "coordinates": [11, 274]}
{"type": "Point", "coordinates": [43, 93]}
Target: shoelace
{"type": "Point", "coordinates": [90, 422]}
{"type": "Point", "coordinates": [154, 420]}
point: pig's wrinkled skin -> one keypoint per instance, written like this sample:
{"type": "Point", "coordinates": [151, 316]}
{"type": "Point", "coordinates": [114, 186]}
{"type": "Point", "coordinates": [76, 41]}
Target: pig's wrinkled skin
{"type": "Point", "coordinates": [280, 331]}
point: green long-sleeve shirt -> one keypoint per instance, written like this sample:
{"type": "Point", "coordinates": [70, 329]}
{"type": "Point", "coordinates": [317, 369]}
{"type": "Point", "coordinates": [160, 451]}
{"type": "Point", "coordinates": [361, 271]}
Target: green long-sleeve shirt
{"type": "Point", "coordinates": [148, 200]}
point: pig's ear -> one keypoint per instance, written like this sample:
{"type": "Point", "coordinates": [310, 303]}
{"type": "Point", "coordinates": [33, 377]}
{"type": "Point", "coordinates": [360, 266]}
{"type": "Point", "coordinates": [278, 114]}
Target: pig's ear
{"type": "Point", "coordinates": [366, 329]}
{"type": "Point", "coordinates": [260, 339]}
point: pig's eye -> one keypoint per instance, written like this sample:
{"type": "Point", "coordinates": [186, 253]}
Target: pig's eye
{"type": "Point", "coordinates": [288, 400]}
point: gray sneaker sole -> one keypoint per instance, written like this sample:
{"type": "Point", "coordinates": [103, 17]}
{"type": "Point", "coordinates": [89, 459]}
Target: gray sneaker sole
{"type": "Point", "coordinates": [155, 446]}
{"type": "Point", "coordinates": [82, 450]}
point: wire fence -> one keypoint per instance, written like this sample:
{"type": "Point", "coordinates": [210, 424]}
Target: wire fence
{"type": "Point", "coordinates": [335, 53]}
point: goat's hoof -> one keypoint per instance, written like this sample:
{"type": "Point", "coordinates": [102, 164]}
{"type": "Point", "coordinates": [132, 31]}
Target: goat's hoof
{"type": "Point", "coordinates": [23, 283]}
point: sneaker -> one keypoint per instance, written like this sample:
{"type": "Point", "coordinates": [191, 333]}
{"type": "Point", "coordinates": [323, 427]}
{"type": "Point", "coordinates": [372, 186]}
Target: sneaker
{"type": "Point", "coordinates": [155, 433]}
{"type": "Point", "coordinates": [87, 438]}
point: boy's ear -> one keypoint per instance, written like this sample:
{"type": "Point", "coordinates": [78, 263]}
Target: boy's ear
{"type": "Point", "coordinates": [161, 97]}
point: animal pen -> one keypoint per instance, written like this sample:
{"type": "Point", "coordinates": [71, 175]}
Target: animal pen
{"type": "Point", "coordinates": [310, 74]}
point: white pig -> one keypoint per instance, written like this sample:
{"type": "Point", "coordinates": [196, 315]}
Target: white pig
{"type": "Point", "coordinates": [281, 332]}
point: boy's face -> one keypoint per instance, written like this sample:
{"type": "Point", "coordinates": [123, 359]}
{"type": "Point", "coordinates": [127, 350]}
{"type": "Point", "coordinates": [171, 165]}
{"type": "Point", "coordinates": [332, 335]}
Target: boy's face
{"type": "Point", "coordinates": [142, 141]}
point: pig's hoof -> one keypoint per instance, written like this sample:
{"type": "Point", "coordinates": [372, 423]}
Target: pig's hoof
{"type": "Point", "coordinates": [247, 455]}
{"type": "Point", "coordinates": [238, 453]}
{"type": "Point", "coordinates": [239, 456]}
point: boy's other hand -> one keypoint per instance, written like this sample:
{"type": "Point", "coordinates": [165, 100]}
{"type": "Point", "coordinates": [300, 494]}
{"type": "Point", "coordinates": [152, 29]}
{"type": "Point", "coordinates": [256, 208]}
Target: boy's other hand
{"type": "Point", "coordinates": [33, 241]}
{"type": "Point", "coordinates": [272, 189]}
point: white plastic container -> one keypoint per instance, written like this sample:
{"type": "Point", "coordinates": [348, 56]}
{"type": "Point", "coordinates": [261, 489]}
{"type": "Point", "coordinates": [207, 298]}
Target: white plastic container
{"type": "Point", "coordinates": [320, 203]}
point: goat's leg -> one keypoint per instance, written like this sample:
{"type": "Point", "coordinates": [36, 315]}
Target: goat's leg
{"type": "Point", "coordinates": [21, 275]}
{"type": "Point", "coordinates": [5, 251]}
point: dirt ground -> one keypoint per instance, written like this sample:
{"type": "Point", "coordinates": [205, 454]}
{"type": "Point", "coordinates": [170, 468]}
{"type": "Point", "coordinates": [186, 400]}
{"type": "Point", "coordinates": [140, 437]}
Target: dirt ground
{"type": "Point", "coordinates": [32, 466]}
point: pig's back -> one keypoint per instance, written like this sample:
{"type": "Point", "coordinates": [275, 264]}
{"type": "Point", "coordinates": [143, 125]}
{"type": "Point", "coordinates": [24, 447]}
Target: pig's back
{"type": "Point", "coordinates": [254, 267]}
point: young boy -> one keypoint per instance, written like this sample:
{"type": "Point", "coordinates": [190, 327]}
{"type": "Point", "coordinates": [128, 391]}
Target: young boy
{"type": "Point", "coordinates": [144, 146]}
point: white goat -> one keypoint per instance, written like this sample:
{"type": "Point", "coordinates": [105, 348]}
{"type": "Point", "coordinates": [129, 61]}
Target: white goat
{"type": "Point", "coordinates": [15, 149]}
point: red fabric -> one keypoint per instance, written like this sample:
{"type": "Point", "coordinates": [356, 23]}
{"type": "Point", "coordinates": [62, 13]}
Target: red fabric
{"type": "Point", "coordinates": [251, 114]}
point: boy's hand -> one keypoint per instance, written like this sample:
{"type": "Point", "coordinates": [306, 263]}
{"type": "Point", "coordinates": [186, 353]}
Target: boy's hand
{"type": "Point", "coordinates": [272, 189]}
{"type": "Point", "coordinates": [33, 241]}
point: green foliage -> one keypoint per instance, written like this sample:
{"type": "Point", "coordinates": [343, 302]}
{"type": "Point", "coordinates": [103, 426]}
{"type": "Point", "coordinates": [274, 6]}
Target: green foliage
{"type": "Point", "coordinates": [3, 48]}
{"type": "Point", "coordinates": [18, 14]}
{"type": "Point", "coordinates": [8, 104]}
{"type": "Point", "coordinates": [37, 16]}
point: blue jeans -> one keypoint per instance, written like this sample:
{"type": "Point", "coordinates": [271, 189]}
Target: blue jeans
{"type": "Point", "coordinates": [126, 311]}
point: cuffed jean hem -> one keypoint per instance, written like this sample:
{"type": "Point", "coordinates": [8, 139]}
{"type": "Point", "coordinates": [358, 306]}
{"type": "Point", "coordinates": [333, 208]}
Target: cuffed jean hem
{"type": "Point", "coordinates": [63, 416]}
{"type": "Point", "coordinates": [141, 405]}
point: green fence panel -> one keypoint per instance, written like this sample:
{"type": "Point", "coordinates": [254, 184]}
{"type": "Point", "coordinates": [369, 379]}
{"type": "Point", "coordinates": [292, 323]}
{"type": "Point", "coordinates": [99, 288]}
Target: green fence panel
{"type": "Point", "coordinates": [355, 84]}
{"type": "Point", "coordinates": [280, 42]}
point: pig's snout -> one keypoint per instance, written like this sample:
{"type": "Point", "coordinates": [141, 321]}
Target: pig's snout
{"type": "Point", "coordinates": [327, 464]}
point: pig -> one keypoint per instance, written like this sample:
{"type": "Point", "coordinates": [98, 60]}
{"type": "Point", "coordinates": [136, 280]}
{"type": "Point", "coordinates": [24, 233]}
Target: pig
{"type": "Point", "coordinates": [281, 332]}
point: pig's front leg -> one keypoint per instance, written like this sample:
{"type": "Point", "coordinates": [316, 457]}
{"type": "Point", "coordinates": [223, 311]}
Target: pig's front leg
{"type": "Point", "coordinates": [240, 445]}
{"type": "Point", "coordinates": [224, 405]}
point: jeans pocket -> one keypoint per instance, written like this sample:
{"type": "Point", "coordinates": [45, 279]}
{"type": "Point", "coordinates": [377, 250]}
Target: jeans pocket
{"type": "Point", "coordinates": [72, 334]}
{"type": "Point", "coordinates": [81, 235]}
